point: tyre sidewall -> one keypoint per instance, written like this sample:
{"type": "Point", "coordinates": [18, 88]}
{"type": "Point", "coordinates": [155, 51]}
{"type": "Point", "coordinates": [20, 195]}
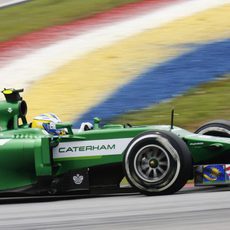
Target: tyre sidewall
{"type": "Point", "coordinates": [215, 128]}
{"type": "Point", "coordinates": [180, 162]}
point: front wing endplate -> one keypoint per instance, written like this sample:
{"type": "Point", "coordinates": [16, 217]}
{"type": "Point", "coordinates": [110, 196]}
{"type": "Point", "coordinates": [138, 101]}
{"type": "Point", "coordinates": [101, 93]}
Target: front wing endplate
{"type": "Point", "coordinates": [213, 174]}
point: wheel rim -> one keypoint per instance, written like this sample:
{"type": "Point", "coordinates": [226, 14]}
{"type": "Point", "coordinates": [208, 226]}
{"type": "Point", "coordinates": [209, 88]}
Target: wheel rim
{"type": "Point", "coordinates": [152, 163]}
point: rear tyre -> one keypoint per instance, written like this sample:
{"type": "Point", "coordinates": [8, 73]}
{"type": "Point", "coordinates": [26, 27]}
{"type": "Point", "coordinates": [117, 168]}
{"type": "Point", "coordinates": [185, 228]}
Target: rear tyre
{"type": "Point", "coordinates": [218, 128]}
{"type": "Point", "coordinates": [157, 163]}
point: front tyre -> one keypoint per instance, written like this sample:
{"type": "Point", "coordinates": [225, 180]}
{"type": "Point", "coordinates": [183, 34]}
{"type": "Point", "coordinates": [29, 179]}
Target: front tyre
{"type": "Point", "coordinates": [157, 163]}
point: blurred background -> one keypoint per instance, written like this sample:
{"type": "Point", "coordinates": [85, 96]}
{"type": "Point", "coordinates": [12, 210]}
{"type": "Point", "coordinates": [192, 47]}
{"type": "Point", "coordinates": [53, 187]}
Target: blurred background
{"type": "Point", "coordinates": [125, 61]}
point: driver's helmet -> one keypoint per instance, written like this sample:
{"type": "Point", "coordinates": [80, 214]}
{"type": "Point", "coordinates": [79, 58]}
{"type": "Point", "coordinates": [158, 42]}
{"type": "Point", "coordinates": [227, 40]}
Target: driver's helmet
{"type": "Point", "coordinates": [48, 121]}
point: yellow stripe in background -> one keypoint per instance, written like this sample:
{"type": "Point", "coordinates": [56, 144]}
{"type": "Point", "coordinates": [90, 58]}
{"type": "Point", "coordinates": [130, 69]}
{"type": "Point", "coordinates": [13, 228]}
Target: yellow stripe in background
{"type": "Point", "coordinates": [81, 84]}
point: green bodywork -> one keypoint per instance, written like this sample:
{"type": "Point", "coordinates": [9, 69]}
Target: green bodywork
{"type": "Point", "coordinates": [27, 154]}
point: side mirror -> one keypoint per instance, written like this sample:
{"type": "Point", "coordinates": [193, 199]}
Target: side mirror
{"type": "Point", "coordinates": [65, 125]}
{"type": "Point", "coordinates": [96, 122]}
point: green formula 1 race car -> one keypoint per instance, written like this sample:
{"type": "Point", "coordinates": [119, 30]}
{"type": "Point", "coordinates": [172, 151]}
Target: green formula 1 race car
{"type": "Point", "coordinates": [155, 159]}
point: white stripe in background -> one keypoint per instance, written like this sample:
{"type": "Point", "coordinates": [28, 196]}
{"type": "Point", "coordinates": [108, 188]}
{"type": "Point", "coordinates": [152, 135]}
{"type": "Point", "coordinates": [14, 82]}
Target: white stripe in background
{"type": "Point", "coordinates": [24, 71]}
{"type": "Point", "coordinates": [4, 3]}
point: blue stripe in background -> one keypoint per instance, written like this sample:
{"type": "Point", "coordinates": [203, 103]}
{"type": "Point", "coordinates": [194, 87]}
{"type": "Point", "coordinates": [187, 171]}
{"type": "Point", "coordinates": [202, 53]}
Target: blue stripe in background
{"type": "Point", "coordinates": [205, 63]}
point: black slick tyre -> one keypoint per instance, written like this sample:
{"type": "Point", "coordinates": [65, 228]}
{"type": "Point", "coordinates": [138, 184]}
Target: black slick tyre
{"type": "Point", "coordinates": [157, 163]}
{"type": "Point", "coordinates": [218, 128]}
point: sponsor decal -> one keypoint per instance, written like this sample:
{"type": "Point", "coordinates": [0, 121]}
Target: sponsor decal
{"type": "Point", "coordinates": [78, 179]}
{"type": "Point", "coordinates": [227, 171]}
{"type": "Point", "coordinates": [213, 173]}
{"type": "Point", "coordinates": [91, 148]}
{"type": "Point", "coordinates": [197, 143]}
{"type": "Point", "coordinates": [86, 148]}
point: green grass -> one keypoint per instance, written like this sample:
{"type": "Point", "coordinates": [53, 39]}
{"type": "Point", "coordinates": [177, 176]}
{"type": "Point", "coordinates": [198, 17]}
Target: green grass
{"type": "Point", "coordinates": [37, 14]}
{"type": "Point", "coordinates": [206, 102]}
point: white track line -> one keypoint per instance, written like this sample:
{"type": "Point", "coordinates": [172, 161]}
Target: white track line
{"type": "Point", "coordinates": [31, 67]}
{"type": "Point", "coordinates": [4, 3]}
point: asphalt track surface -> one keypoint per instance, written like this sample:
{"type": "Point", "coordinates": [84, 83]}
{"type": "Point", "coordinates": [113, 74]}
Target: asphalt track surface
{"type": "Point", "coordinates": [203, 208]}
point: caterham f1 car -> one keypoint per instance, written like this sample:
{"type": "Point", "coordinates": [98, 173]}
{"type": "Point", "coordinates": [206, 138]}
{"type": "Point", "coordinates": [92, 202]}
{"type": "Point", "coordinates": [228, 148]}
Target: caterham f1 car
{"type": "Point", "coordinates": [155, 159]}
